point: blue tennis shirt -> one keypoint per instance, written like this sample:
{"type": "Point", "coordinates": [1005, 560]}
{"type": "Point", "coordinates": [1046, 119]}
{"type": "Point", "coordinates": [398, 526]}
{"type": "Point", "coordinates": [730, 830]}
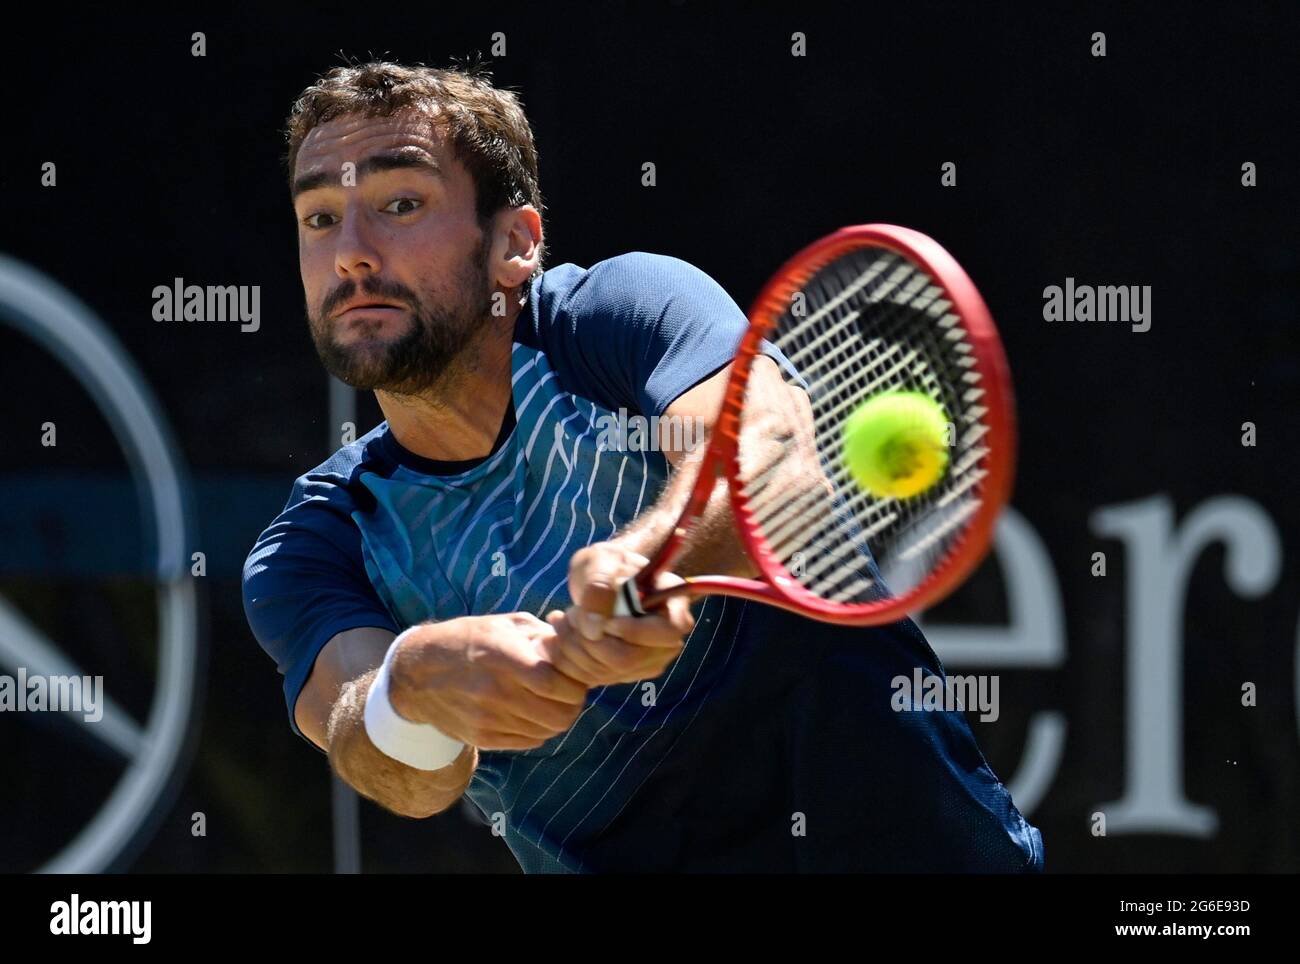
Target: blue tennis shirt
{"type": "Point", "coordinates": [769, 744]}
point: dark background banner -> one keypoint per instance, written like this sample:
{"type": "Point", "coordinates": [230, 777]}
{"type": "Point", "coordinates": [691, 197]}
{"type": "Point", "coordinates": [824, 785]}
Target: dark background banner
{"type": "Point", "coordinates": [1161, 695]}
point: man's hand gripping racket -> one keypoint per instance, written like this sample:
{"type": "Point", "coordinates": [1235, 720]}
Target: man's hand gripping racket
{"type": "Point", "coordinates": [883, 497]}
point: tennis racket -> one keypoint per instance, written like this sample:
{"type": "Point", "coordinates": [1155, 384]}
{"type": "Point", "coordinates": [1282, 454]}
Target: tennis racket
{"type": "Point", "coordinates": [870, 309]}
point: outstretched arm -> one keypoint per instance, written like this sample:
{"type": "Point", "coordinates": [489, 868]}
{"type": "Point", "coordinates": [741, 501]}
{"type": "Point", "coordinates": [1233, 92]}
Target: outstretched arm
{"type": "Point", "coordinates": [331, 713]}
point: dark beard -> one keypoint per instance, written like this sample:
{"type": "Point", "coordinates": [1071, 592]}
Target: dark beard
{"type": "Point", "coordinates": [425, 359]}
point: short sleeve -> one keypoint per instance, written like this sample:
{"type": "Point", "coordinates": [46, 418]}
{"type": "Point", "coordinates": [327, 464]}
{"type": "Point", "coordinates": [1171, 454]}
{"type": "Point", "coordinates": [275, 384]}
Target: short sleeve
{"type": "Point", "coordinates": [305, 581]}
{"type": "Point", "coordinates": [638, 330]}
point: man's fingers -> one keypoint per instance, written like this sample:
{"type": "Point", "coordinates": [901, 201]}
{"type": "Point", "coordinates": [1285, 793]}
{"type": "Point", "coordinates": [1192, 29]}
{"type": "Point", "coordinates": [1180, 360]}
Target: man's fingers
{"type": "Point", "coordinates": [547, 678]}
{"type": "Point", "coordinates": [568, 654]}
{"type": "Point", "coordinates": [594, 576]}
{"type": "Point", "coordinates": [575, 662]}
{"type": "Point", "coordinates": [549, 715]}
{"type": "Point", "coordinates": [589, 624]}
{"type": "Point", "coordinates": [592, 581]}
{"type": "Point", "coordinates": [626, 662]}
{"type": "Point", "coordinates": [513, 722]}
{"type": "Point", "coordinates": [652, 630]}
{"type": "Point", "coordinates": [584, 658]}
{"type": "Point", "coordinates": [609, 660]}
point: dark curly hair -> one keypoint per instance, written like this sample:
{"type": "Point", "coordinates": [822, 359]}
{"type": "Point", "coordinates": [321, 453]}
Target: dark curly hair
{"type": "Point", "coordinates": [485, 125]}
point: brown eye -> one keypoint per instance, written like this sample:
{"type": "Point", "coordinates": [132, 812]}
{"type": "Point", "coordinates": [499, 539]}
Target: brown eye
{"type": "Point", "coordinates": [404, 200]}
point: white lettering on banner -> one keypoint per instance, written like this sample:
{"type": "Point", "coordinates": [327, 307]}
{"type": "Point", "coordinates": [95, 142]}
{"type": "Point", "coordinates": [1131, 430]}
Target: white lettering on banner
{"type": "Point", "coordinates": [1160, 557]}
{"type": "Point", "coordinates": [1160, 560]}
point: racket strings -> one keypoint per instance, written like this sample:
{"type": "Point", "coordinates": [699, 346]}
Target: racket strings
{"type": "Point", "coordinates": [923, 377]}
{"type": "Point", "coordinates": [883, 367]}
{"type": "Point", "coordinates": [871, 322]}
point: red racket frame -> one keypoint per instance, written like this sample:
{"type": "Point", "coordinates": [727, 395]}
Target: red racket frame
{"type": "Point", "coordinates": [778, 588]}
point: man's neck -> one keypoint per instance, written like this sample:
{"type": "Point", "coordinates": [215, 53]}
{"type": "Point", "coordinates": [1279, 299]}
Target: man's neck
{"type": "Point", "coordinates": [461, 418]}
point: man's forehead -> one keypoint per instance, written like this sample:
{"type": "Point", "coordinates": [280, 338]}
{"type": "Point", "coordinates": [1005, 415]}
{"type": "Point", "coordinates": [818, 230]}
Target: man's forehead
{"type": "Point", "coordinates": [354, 135]}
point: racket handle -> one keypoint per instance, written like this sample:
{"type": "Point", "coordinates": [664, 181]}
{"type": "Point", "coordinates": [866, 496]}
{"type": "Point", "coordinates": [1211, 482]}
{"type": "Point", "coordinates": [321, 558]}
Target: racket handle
{"type": "Point", "coordinates": [627, 599]}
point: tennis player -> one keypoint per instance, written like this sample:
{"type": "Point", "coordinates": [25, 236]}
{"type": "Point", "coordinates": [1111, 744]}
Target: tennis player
{"type": "Point", "coordinates": [438, 594]}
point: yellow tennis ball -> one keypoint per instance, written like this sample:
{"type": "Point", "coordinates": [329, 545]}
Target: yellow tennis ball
{"type": "Point", "coordinates": [896, 444]}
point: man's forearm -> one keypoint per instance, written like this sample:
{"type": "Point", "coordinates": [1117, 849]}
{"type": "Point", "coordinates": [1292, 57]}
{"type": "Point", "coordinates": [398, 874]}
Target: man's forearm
{"type": "Point", "coordinates": [395, 786]}
{"type": "Point", "coordinates": [776, 445]}
{"type": "Point", "coordinates": [712, 547]}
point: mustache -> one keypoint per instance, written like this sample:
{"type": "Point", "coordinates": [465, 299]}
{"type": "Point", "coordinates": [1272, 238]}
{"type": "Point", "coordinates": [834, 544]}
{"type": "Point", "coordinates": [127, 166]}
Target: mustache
{"type": "Point", "coordinates": [341, 296]}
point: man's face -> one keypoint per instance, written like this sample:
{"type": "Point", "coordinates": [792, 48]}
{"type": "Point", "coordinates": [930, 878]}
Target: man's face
{"type": "Point", "coordinates": [400, 232]}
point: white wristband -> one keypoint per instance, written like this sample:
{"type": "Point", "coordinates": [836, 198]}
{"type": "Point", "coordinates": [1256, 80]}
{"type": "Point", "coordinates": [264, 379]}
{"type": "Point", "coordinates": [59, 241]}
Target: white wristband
{"type": "Point", "coordinates": [418, 745]}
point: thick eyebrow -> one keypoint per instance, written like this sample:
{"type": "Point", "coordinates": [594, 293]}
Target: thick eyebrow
{"type": "Point", "coordinates": [388, 161]}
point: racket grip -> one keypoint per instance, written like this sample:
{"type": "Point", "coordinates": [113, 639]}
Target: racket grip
{"type": "Point", "coordinates": [627, 599]}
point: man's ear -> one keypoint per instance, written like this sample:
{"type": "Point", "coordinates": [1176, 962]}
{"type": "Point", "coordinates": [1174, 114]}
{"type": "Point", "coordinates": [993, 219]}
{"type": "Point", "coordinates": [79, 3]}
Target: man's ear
{"type": "Point", "coordinates": [516, 245]}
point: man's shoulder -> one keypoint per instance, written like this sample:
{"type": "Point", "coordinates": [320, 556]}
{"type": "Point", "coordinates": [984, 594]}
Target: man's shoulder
{"type": "Point", "coordinates": [334, 484]}
{"type": "Point", "coordinates": [614, 285]}
{"type": "Point", "coordinates": [633, 331]}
